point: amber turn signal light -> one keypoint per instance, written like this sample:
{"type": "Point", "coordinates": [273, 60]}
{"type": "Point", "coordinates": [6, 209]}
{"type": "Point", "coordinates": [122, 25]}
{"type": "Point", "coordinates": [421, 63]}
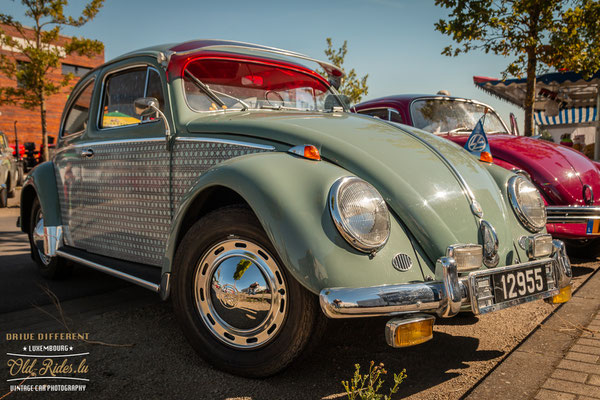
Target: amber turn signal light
{"type": "Point", "coordinates": [563, 296]}
{"type": "Point", "coordinates": [410, 330]}
{"type": "Point", "coordinates": [307, 151]}
{"type": "Point", "coordinates": [486, 157]}
{"type": "Point", "coordinates": [311, 152]}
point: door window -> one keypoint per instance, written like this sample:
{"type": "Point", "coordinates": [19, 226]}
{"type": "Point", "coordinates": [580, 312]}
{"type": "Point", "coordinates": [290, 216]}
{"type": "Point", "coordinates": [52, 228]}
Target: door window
{"type": "Point", "coordinates": [121, 89]}
{"type": "Point", "coordinates": [77, 116]}
{"type": "Point", "coordinates": [387, 114]}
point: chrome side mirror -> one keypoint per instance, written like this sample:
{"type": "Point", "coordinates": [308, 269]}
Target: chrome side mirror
{"type": "Point", "coordinates": [145, 105]}
{"type": "Point", "coordinates": [148, 105]}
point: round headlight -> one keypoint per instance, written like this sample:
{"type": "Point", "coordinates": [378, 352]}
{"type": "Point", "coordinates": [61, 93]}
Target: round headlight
{"type": "Point", "coordinates": [359, 213]}
{"type": "Point", "coordinates": [527, 203]}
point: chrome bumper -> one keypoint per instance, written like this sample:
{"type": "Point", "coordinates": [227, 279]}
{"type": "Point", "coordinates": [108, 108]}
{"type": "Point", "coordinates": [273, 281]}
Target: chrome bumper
{"type": "Point", "coordinates": [572, 214]}
{"type": "Point", "coordinates": [445, 297]}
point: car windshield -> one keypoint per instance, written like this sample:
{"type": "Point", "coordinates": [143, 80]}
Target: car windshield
{"type": "Point", "coordinates": [215, 84]}
{"type": "Point", "coordinates": [453, 116]}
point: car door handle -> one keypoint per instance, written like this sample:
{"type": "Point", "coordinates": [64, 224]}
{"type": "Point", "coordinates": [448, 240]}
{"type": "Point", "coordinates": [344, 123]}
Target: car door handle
{"type": "Point", "coordinates": [89, 153]}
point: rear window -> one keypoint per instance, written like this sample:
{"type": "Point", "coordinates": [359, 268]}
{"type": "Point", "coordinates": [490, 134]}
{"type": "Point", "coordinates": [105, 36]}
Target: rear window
{"type": "Point", "coordinates": [216, 84]}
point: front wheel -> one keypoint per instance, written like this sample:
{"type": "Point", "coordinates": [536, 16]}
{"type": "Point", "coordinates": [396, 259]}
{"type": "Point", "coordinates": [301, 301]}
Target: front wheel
{"type": "Point", "coordinates": [237, 306]}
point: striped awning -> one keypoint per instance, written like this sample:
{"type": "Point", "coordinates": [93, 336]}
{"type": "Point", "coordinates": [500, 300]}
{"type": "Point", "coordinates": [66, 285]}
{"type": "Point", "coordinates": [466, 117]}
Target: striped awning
{"type": "Point", "coordinates": [576, 115]}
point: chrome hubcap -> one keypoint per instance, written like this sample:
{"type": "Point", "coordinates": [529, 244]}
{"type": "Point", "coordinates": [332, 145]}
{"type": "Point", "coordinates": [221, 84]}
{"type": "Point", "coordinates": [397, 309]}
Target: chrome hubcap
{"type": "Point", "coordinates": [38, 237]}
{"type": "Point", "coordinates": [240, 293]}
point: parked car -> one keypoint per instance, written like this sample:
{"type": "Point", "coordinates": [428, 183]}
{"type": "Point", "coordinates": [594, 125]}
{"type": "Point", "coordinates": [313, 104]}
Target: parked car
{"type": "Point", "coordinates": [8, 171]}
{"type": "Point", "coordinates": [232, 178]}
{"type": "Point", "coordinates": [568, 181]}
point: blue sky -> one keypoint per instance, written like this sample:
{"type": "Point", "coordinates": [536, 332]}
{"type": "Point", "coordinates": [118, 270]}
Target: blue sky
{"type": "Point", "coordinates": [394, 41]}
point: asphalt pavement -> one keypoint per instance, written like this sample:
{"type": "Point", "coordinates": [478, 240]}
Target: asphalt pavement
{"type": "Point", "coordinates": [21, 284]}
{"type": "Point", "coordinates": [136, 349]}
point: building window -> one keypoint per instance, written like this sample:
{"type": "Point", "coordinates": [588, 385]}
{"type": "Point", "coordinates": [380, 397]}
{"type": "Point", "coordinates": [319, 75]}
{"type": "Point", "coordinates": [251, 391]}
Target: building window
{"type": "Point", "coordinates": [76, 70]}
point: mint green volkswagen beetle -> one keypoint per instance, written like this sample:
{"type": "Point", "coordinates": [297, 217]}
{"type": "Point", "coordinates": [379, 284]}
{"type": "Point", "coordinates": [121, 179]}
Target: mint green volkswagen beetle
{"type": "Point", "coordinates": [231, 178]}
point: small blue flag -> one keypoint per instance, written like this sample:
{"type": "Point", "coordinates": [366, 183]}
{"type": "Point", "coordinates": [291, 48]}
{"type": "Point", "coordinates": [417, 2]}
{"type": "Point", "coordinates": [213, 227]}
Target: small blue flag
{"type": "Point", "coordinates": [478, 142]}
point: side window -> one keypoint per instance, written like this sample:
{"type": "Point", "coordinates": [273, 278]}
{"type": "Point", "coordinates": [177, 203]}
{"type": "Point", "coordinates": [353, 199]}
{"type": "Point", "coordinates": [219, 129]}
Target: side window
{"type": "Point", "coordinates": [154, 88]}
{"type": "Point", "coordinates": [395, 116]}
{"type": "Point", "coordinates": [77, 116]}
{"type": "Point", "coordinates": [121, 89]}
{"type": "Point", "coordinates": [387, 114]}
{"type": "Point", "coordinates": [381, 113]}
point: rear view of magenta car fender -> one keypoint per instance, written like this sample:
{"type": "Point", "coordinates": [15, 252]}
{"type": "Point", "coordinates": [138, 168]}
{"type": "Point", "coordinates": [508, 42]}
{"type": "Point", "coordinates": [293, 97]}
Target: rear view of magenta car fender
{"type": "Point", "coordinates": [289, 194]}
{"type": "Point", "coordinates": [41, 183]}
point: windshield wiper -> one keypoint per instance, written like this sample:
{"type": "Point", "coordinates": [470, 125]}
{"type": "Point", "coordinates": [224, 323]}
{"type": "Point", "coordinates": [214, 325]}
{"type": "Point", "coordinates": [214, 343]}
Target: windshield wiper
{"type": "Point", "coordinates": [206, 89]}
{"type": "Point", "coordinates": [242, 102]}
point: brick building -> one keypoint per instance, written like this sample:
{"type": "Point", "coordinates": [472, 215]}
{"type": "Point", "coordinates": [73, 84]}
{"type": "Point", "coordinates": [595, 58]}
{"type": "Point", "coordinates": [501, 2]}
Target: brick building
{"type": "Point", "coordinates": [29, 125]}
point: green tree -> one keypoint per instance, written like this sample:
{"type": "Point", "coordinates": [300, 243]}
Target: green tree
{"type": "Point", "coordinates": [35, 54]}
{"type": "Point", "coordinates": [534, 34]}
{"type": "Point", "coordinates": [351, 86]}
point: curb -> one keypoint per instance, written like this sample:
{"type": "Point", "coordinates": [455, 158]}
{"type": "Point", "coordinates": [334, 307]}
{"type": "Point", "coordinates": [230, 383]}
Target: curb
{"type": "Point", "coordinates": [525, 369]}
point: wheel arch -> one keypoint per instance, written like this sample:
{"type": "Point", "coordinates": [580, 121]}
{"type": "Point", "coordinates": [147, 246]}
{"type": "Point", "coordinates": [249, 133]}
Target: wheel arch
{"type": "Point", "coordinates": [41, 183]}
{"type": "Point", "coordinates": [288, 195]}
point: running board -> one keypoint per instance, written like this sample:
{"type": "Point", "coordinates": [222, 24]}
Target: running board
{"type": "Point", "coordinates": [146, 276]}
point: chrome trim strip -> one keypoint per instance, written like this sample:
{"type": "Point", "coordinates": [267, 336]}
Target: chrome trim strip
{"type": "Point", "coordinates": [572, 214]}
{"type": "Point", "coordinates": [118, 141]}
{"type": "Point", "coordinates": [107, 270]}
{"type": "Point", "coordinates": [224, 141]}
{"type": "Point", "coordinates": [475, 206]}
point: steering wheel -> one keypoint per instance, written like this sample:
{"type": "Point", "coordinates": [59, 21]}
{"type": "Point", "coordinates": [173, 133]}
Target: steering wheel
{"type": "Point", "coordinates": [277, 94]}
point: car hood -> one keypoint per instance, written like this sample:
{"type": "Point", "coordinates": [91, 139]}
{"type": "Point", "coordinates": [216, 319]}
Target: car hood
{"type": "Point", "coordinates": [416, 184]}
{"type": "Point", "coordinates": [559, 171]}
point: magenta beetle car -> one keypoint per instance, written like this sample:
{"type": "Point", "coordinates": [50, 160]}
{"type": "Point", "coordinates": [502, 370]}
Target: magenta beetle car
{"type": "Point", "coordinates": [568, 180]}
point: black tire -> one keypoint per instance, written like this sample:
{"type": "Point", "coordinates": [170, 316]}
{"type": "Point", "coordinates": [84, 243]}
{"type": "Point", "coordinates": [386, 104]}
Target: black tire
{"type": "Point", "coordinates": [302, 313]}
{"type": "Point", "coordinates": [49, 267]}
{"type": "Point", "coordinates": [584, 249]}
{"type": "Point", "coordinates": [3, 197]}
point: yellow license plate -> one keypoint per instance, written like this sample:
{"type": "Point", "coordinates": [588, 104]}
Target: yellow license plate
{"type": "Point", "coordinates": [593, 227]}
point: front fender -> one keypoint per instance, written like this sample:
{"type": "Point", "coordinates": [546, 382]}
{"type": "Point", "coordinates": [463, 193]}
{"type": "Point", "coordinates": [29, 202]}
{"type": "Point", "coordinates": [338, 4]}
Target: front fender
{"type": "Point", "coordinates": [289, 194]}
{"type": "Point", "coordinates": [41, 182]}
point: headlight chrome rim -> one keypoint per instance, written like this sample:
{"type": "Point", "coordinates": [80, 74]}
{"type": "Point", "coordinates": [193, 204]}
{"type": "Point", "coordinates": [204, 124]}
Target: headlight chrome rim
{"type": "Point", "coordinates": [341, 225]}
{"type": "Point", "coordinates": [517, 207]}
